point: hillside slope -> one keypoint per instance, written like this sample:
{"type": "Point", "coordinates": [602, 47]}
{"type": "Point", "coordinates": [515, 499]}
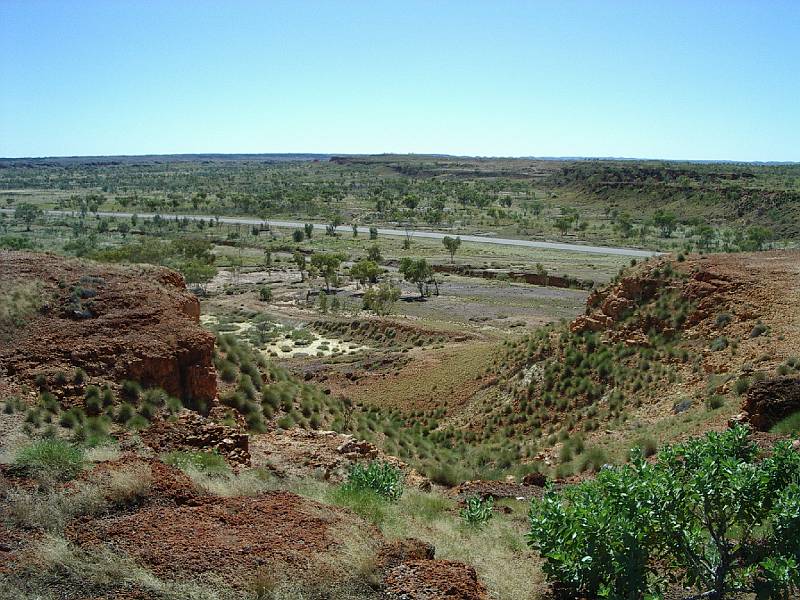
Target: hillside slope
{"type": "Point", "coordinates": [663, 351]}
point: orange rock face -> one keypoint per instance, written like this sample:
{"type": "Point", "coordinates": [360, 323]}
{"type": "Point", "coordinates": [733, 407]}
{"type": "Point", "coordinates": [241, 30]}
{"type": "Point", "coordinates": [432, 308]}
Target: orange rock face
{"type": "Point", "coordinates": [137, 322]}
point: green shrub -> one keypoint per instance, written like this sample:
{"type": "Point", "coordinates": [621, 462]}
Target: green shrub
{"type": "Point", "coordinates": [719, 343]}
{"type": "Point", "coordinates": [72, 418]}
{"type": "Point", "coordinates": [137, 422]}
{"type": "Point", "coordinates": [124, 413]}
{"type": "Point", "coordinates": [788, 426]}
{"type": "Point", "coordinates": [131, 390]}
{"type": "Point", "coordinates": [741, 386]}
{"type": "Point", "coordinates": [477, 511]}
{"type": "Point", "coordinates": [646, 445]}
{"type": "Point", "coordinates": [725, 521]}
{"type": "Point", "coordinates": [211, 463]}
{"type": "Point", "coordinates": [723, 319]}
{"type": "Point", "coordinates": [364, 502]}
{"type": "Point", "coordinates": [758, 330]}
{"type": "Point", "coordinates": [52, 459]}
{"type": "Point", "coordinates": [379, 477]}
{"type": "Point", "coordinates": [79, 376]}
{"type": "Point", "coordinates": [446, 475]}
{"type": "Point", "coordinates": [228, 372]}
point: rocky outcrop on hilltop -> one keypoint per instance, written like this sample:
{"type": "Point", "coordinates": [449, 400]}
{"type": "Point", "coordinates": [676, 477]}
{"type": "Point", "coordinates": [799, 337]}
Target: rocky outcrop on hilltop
{"type": "Point", "coordinates": [709, 295]}
{"type": "Point", "coordinates": [136, 322]}
{"type": "Point", "coordinates": [669, 335]}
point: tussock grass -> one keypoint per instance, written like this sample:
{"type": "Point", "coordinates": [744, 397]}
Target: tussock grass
{"type": "Point", "coordinates": [50, 509]}
{"type": "Point", "coordinates": [788, 426]}
{"type": "Point", "coordinates": [50, 459]}
{"type": "Point", "coordinates": [498, 551]}
{"type": "Point", "coordinates": [251, 482]}
{"type": "Point", "coordinates": [55, 564]}
{"type": "Point", "coordinates": [211, 474]}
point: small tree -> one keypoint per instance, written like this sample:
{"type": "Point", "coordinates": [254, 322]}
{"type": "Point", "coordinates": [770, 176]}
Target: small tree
{"type": "Point", "coordinates": [365, 271]}
{"type": "Point", "coordinates": [27, 213]}
{"type": "Point", "coordinates": [300, 262]}
{"type": "Point", "coordinates": [123, 228]}
{"type": "Point", "coordinates": [706, 234]}
{"type": "Point", "coordinates": [381, 298]}
{"type": "Point", "coordinates": [197, 272]}
{"type": "Point", "coordinates": [373, 233]}
{"type": "Point", "coordinates": [757, 237]}
{"type": "Point", "coordinates": [374, 254]}
{"type": "Point", "coordinates": [666, 221]}
{"type": "Point", "coordinates": [451, 245]}
{"type": "Point", "coordinates": [298, 235]}
{"type": "Point", "coordinates": [355, 230]}
{"type": "Point", "coordinates": [327, 264]}
{"type": "Point", "coordinates": [416, 271]}
{"type": "Point", "coordinates": [625, 224]}
{"type": "Point", "coordinates": [309, 230]}
{"type": "Point", "coordinates": [335, 221]}
{"type": "Point", "coordinates": [563, 224]}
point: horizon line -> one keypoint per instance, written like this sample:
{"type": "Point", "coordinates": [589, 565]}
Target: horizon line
{"type": "Point", "coordinates": [329, 155]}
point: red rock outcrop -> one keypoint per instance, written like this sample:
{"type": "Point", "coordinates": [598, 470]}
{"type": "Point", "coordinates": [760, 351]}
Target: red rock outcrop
{"type": "Point", "coordinates": [137, 322]}
{"type": "Point", "coordinates": [434, 580]}
{"type": "Point", "coordinates": [192, 431]}
{"type": "Point", "coordinates": [771, 400]}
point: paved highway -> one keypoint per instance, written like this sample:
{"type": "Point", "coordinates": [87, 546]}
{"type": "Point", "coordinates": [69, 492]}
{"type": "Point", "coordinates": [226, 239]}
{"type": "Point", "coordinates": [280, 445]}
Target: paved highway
{"type": "Point", "coordinates": [436, 235]}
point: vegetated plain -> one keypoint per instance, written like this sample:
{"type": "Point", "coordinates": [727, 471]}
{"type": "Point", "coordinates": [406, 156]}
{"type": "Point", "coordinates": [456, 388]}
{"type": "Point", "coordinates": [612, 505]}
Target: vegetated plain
{"type": "Point", "coordinates": [467, 360]}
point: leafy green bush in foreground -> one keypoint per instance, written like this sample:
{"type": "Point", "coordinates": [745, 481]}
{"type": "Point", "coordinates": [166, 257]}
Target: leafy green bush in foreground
{"type": "Point", "coordinates": [721, 519]}
{"type": "Point", "coordinates": [378, 477]}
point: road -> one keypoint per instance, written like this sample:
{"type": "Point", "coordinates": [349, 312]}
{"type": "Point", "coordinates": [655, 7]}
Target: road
{"type": "Point", "coordinates": [436, 235]}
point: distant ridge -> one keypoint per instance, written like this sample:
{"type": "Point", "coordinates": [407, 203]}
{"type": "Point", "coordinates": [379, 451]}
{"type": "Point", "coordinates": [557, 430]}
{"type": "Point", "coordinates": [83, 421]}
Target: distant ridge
{"type": "Point", "coordinates": [168, 158]}
{"type": "Point", "coordinates": [310, 156]}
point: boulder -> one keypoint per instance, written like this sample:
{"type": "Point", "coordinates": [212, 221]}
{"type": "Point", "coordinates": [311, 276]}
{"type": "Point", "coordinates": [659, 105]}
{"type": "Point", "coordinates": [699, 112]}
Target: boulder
{"type": "Point", "coordinates": [772, 400]}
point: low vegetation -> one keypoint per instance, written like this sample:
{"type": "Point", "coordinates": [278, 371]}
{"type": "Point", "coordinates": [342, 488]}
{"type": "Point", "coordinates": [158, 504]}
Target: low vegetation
{"type": "Point", "coordinates": [724, 519]}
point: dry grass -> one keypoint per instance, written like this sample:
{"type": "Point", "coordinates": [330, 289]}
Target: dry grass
{"type": "Point", "coordinates": [50, 509]}
{"type": "Point", "coordinates": [128, 486]}
{"type": "Point", "coordinates": [227, 485]}
{"type": "Point", "coordinates": [104, 453]}
{"type": "Point", "coordinates": [60, 570]}
{"type": "Point", "coordinates": [498, 551]}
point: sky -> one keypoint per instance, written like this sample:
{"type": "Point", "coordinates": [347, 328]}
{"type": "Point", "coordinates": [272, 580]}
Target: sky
{"type": "Point", "coordinates": [674, 79]}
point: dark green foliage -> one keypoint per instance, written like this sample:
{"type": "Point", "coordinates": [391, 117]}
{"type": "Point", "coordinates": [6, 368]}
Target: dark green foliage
{"type": "Point", "coordinates": [477, 511]}
{"type": "Point", "coordinates": [723, 519]}
{"type": "Point", "coordinates": [131, 390]}
{"type": "Point", "coordinates": [379, 477]}
{"type": "Point", "coordinates": [788, 426]}
{"type": "Point", "coordinates": [50, 459]}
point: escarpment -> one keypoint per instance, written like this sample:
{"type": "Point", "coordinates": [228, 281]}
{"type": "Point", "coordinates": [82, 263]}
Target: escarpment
{"type": "Point", "coordinates": [136, 322]}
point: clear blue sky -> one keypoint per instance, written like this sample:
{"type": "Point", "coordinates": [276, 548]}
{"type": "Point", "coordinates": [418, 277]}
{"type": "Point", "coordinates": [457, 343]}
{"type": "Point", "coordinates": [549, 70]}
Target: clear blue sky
{"type": "Point", "coordinates": [642, 78]}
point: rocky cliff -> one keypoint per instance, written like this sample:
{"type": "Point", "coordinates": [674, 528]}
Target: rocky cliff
{"type": "Point", "coordinates": [136, 322]}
